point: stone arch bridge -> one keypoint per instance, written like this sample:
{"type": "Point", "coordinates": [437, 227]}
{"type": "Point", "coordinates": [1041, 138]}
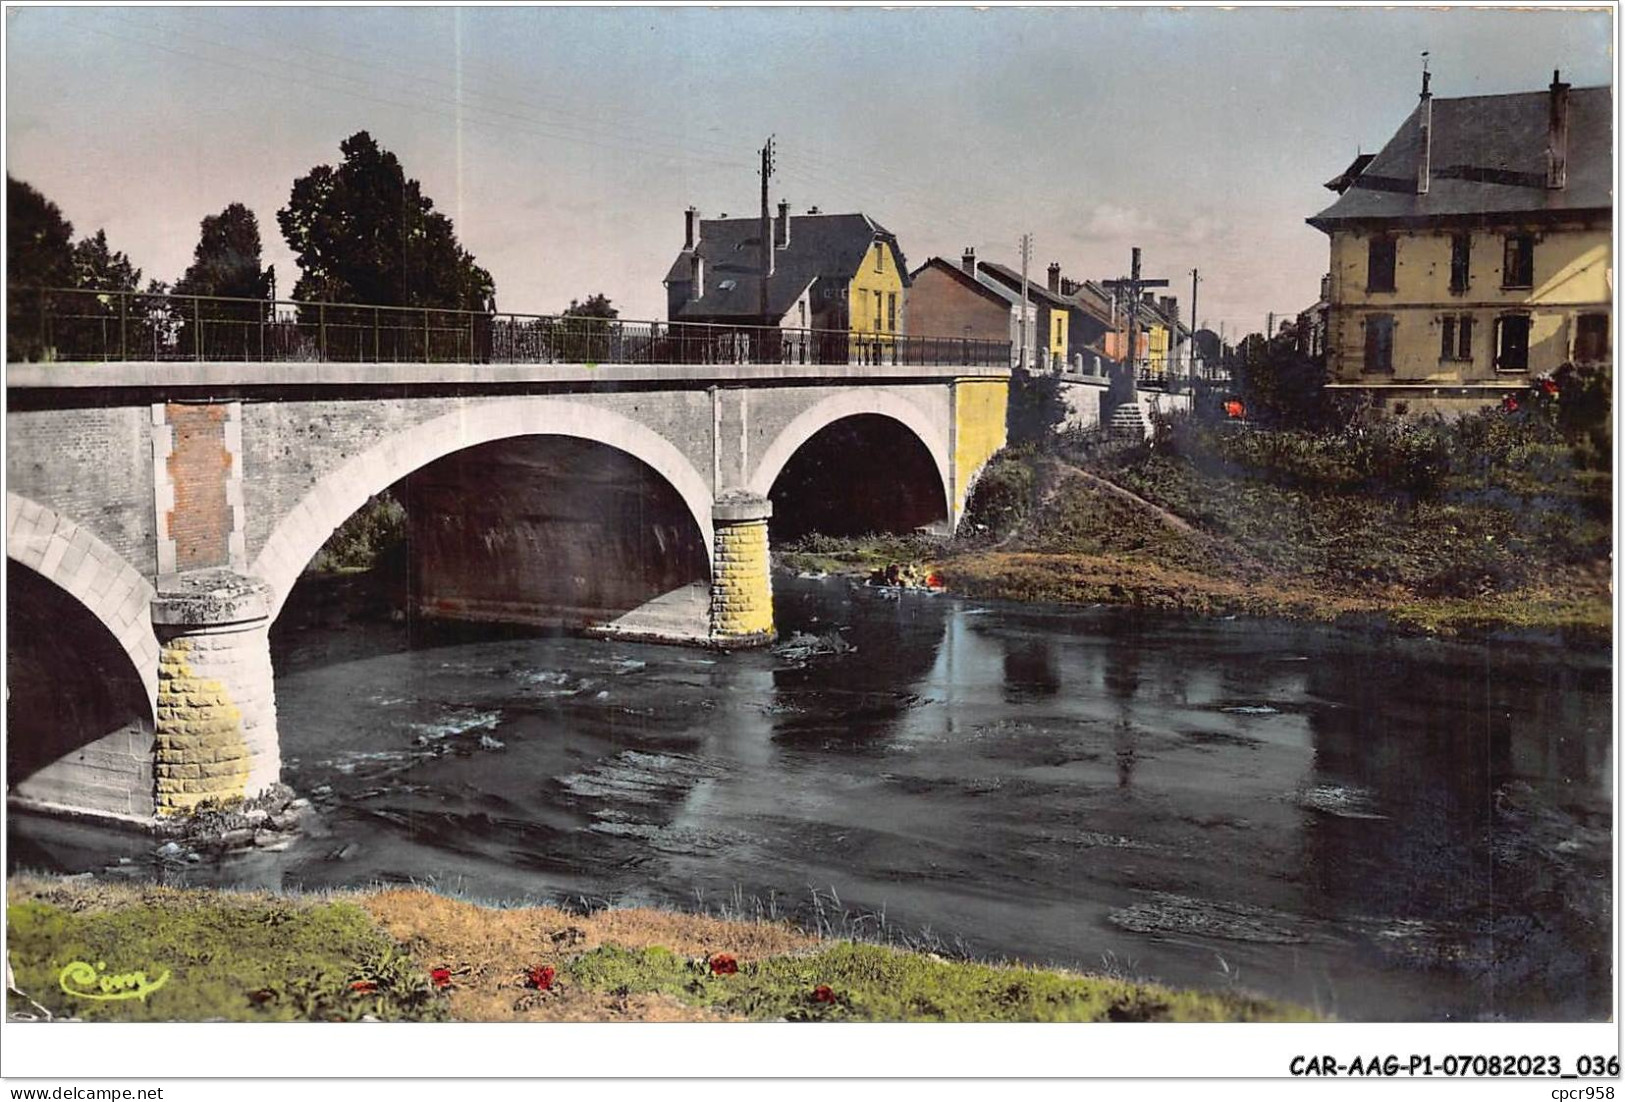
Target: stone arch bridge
{"type": "Point", "coordinates": [159, 514]}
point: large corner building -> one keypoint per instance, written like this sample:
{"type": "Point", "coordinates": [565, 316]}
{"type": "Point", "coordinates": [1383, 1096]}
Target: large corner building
{"type": "Point", "coordinates": [1473, 252]}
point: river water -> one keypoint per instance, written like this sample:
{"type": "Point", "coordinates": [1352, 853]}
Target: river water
{"type": "Point", "coordinates": [1380, 828]}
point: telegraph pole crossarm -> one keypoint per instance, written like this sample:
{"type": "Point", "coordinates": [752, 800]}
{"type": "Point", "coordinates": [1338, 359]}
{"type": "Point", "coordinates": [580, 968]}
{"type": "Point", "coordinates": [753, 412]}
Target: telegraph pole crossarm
{"type": "Point", "coordinates": [1134, 285]}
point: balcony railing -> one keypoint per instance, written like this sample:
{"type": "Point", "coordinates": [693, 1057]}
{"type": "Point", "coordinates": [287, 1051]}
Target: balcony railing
{"type": "Point", "coordinates": [100, 326]}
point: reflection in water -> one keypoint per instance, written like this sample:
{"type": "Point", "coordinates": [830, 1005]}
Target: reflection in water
{"type": "Point", "coordinates": [1398, 830]}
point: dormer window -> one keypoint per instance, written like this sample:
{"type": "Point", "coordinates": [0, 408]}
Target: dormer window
{"type": "Point", "coordinates": [880, 256]}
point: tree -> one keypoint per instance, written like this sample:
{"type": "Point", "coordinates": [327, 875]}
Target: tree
{"type": "Point", "coordinates": [97, 267]}
{"type": "Point", "coordinates": [226, 261]}
{"type": "Point", "coordinates": [1279, 385]}
{"type": "Point", "coordinates": [1036, 410]}
{"type": "Point", "coordinates": [95, 326]}
{"type": "Point", "coordinates": [364, 233]}
{"type": "Point", "coordinates": [225, 264]}
{"type": "Point", "coordinates": [39, 249]}
{"type": "Point", "coordinates": [596, 306]}
{"type": "Point", "coordinates": [584, 337]}
{"type": "Point", "coordinates": [39, 254]}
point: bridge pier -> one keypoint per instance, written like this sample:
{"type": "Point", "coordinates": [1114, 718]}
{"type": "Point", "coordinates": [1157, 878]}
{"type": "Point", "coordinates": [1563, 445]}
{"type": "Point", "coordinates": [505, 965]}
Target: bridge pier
{"type": "Point", "coordinates": [741, 580]}
{"type": "Point", "coordinates": [216, 718]}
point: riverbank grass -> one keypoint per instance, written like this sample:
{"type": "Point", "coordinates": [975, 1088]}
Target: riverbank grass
{"type": "Point", "coordinates": [411, 955]}
{"type": "Point", "coordinates": [205, 956]}
{"type": "Point", "coordinates": [846, 981]}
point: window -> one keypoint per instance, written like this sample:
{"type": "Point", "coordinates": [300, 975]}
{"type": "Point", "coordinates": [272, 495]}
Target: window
{"type": "Point", "coordinates": [1461, 256]}
{"type": "Point", "coordinates": [1057, 339]}
{"type": "Point", "coordinates": [1518, 270]}
{"type": "Point", "coordinates": [1512, 342]}
{"type": "Point", "coordinates": [880, 256]}
{"type": "Point", "coordinates": [878, 316]}
{"type": "Point", "coordinates": [891, 311]}
{"type": "Point", "coordinates": [1379, 342]}
{"type": "Point", "coordinates": [1380, 265]}
{"type": "Point", "coordinates": [1591, 338]}
{"type": "Point", "coordinates": [1456, 337]}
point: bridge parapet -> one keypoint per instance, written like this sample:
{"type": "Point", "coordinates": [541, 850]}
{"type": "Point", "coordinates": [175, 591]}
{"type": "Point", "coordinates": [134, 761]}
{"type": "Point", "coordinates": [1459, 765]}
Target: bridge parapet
{"type": "Point", "coordinates": [64, 324]}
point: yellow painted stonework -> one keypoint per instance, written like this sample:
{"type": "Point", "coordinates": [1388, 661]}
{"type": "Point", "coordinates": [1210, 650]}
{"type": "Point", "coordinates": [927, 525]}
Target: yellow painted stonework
{"type": "Point", "coordinates": [979, 429]}
{"type": "Point", "coordinates": [1572, 276]}
{"type": "Point", "coordinates": [201, 750]}
{"type": "Point", "coordinates": [742, 593]}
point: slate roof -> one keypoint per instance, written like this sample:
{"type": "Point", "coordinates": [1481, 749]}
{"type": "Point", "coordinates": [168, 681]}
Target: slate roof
{"type": "Point", "coordinates": [821, 245]}
{"type": "Point", "coordinates": [959, 275]}
{"type": "Point", "coordinates": [1488, 157]}
{"type": "Point", "coordinates": [1011, 280]}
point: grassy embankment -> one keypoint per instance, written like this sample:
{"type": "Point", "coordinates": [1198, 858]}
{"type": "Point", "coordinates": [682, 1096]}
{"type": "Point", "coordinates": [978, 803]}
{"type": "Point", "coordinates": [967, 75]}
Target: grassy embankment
{"type": "Point", "coordinates": [411, 955]}
{"type": "Point", "coordinates": [1459, 530]}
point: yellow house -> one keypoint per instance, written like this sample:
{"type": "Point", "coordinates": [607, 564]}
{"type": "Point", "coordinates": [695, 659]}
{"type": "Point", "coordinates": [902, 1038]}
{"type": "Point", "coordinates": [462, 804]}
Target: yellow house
{"type": "Point", "coordinates": [875, 304]}
{"type": "Point", "coordinates": [831, 273]}
{"type": "Point", "coordinates": [1474, 251]}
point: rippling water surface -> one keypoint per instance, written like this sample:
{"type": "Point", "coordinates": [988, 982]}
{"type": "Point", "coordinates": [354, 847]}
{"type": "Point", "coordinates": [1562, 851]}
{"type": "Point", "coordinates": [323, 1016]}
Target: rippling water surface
{"type": "Point", "coordinates": [1383, 829]}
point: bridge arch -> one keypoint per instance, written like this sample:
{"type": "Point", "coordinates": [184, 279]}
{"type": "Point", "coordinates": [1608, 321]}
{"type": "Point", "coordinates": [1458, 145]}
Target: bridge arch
{"type": "Point", "coordinates": [305, 528]}
{"type": "Point", "coordinates": [72, 558]}
{"type": "Point", "coordinates": [853, 403]}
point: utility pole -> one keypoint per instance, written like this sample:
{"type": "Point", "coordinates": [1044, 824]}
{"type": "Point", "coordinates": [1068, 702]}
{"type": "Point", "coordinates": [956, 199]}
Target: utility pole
{"type": "Point", "coordinates": [767, 229]}
{"type": "Point", "coordinates": [1195, 279]}
{"type": "Point", "coordinates": [1026, 254]}
{"type": "Point", "coordinates": [1134, 285]}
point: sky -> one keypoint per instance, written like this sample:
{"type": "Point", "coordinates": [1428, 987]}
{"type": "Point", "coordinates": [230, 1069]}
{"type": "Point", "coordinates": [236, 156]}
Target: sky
{"type": "Point", "coordinates": [565, 143]}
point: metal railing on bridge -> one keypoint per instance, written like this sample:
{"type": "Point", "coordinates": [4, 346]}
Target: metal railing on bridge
{"type": "Point", "coordinates": [98, 326]}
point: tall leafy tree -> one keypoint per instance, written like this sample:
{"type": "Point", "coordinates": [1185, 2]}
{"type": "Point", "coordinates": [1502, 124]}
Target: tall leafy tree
{"type": "Point", "coordinates": [225, 264]}
{"type": "Point", "coordinates": [226, 261]}
{"type": "Point", "coordinates": [363, 232]}
{"type": "Point", "coordinates": [97, 267]}
{"type": "Point", "coordinates": [96, 326]}
{"type": "Point", "coordinates": [39, 241]}
{"type": "Point", "coordinates": [39, 254]}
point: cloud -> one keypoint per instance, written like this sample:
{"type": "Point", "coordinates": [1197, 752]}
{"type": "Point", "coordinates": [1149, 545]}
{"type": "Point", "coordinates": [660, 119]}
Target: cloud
{"type": "Point", "coordinates": [1117, 223]}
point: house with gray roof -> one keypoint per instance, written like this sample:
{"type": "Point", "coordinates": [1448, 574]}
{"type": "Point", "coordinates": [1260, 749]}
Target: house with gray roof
{"type": "Point", "coordinates": [1473, 252]}
{"type": "Point", "coordinates": [823, 271]}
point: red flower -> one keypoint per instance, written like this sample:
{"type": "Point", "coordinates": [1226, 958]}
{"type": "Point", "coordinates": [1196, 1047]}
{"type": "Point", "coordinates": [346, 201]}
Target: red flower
{"type": "Point", "coordinates": [440, 977]}
{"type": "Point", "coordinates": [934, 581]}
{"type": "Point", "coordinates": [1548, 386]}
{"type": "Point", "coordinates": [823, 994]}
{"type": "Point", "coordinates": [541, 977]}
{"type": "Point", "coordinates": [365, 987]}
{"type": "Point", "coordinates": [1510, 403]}
{"type": "Point", "coordinates": [723, 964]}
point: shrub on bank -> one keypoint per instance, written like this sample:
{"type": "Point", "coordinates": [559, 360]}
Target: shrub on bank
{"type": "Point", "coordinates": [374, 532]}
{"type": "Point", "coordinates": [1002, 496]}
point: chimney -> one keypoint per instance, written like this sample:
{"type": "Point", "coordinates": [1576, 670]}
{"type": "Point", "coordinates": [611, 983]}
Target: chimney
{"type": "Point", "coordinates": [968, 261]}
{"type": "Point", "coordinates": [1055, 279]}
{"type": "Point", "coordinates": [696, 276]}
{"type": "Point", "coordinates": [690, 216]}
{"type": "Point", "coordinates": [781, 227]}
{"type": "Point", "coordinates": [1424, 159]}
{"type": "Point", "coordinates": [1069, 286]}
{"type": "Point", "coordinates": [1557, 134]}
